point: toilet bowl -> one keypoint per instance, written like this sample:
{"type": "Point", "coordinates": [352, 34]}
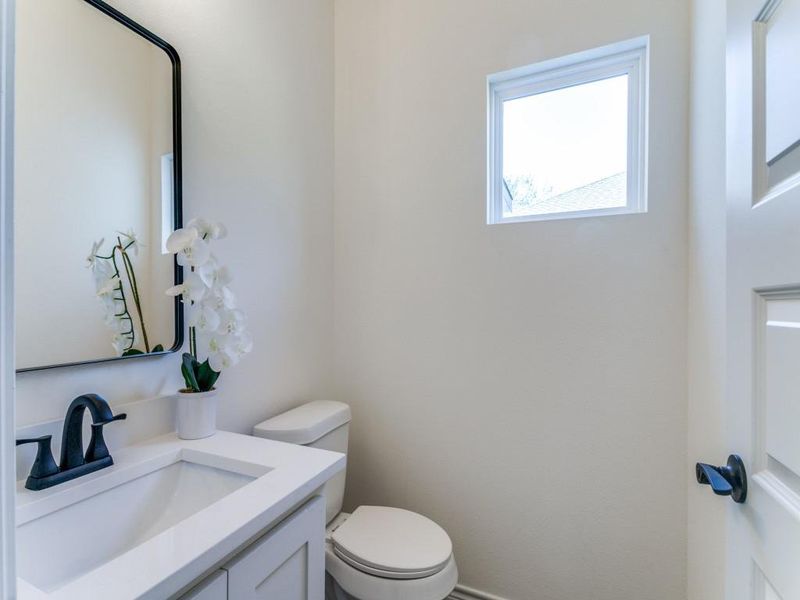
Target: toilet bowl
{"type": "Point", "coordinates": [375, 552]}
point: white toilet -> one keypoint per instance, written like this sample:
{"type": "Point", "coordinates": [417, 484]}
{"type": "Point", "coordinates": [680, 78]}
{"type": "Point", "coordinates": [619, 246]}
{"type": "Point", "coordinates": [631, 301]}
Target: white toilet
{"type": "Point", "coordinates": [377, 552]}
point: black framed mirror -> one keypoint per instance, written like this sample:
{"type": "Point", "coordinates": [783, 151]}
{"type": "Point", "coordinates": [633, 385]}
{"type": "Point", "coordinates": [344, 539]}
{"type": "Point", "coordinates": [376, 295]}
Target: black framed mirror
{"type": "Point", "coordinates": [98, 186]}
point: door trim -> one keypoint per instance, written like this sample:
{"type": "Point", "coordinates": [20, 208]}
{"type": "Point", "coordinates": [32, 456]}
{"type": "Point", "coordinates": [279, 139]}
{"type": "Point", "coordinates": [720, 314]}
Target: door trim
{"type": "Point", "coordinates": [7, 375]}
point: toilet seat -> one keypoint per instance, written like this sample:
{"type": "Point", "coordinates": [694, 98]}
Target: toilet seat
{"type": "Point", "coordinates": [359, 584]}
{"type": "Point", "coordinates": [391, 543]}
{"type": "Point", "coordinates": [362, 586]}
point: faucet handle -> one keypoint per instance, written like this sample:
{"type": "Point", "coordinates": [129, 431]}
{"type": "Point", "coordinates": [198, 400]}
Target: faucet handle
{"type": "Point", "coordinates": [38, 440]}
{"type": "Point", "coordinates": [97, 449]}
{"type": "Point", "coordinates": [45, 464]}
{"type": "Point", "coordinates": [119, 417]}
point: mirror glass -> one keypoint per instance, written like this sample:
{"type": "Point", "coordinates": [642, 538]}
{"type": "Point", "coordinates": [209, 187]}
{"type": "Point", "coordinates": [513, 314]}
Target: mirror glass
{"type": "Point", "coordinates": [96, 187]}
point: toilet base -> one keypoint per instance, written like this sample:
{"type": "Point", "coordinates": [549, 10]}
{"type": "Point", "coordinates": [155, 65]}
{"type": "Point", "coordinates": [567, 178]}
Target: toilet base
{"type": "Point", "coordinates": [333, 591]}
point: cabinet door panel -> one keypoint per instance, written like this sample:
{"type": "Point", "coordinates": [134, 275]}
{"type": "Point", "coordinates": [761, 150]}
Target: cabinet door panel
{"type": "Point", "coordinates": [288, 563]}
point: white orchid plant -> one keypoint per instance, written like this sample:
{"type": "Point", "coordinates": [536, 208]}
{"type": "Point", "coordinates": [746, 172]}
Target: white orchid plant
{"type": "Point", "coordinates": [118, 291]}
{"type": "Point", "coordinates": [213, 316]}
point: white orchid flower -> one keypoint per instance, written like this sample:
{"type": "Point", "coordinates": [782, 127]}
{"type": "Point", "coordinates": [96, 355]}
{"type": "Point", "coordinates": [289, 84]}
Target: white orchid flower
{"type": "Point", "coordinates": [91, 260]}
{"type": "Point", "coordinates": [242, 344]}
{"type": "Point", "coordinates": [214, 276]}
{"type": "Point", "coordinates": [220, 355]}
{"type": "Point", "coordinates": [114, 307]}
{"type": "Point", "coordinates": [203, 317]}
{"type": "Point", "coordinates": [117, 325]}
{"type": "Point", "coordinates": [208, 230]}
{"type": "Point", "coordinates": [194, 255]}
{"type": "Point", "coordinates": [107, 286]}
{"type": "Point", "coordinates": [102, 270]}
{"type": "Point", "coordinates": [181, 239]}
{"type": "Point", "coordinates": [132, 239]}
{"type": "Point", "coordinates": [218, 342]}
{"type": "Point", "coordinates": [219, 231]}
{"type": "Point", "coordinates": [213, 301]}
{"type": "Point", "coordinates": [228, 297]}
{"type": "Point", "coordinates": [189, 246]}
{"type": "Point", "coordinates": [213, 306]}
{"type": "Point", "coordinates": [192, 288]}
{"type": "Point", "coordinates": [220, 299]}
{"type": "Point", "coordinates": [232, 323]}
{"type": "Point", "coordinates": [120, 343]}
{"type": "Point", "coordinates": [219, 361]}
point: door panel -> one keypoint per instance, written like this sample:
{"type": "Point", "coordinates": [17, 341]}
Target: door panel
{"type": "Point", "coordinates": [782, 85]}
{"type": "Point", "coordinates": [763, 294]}
{"type": "Point", "coordinates": [763, 588]}
{"type": "Point", "coordinates": [775, 64]}
{"type": "Point", "coordinates": [778, 349]}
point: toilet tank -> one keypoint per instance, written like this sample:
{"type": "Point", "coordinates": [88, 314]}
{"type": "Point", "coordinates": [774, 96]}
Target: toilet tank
{"type": "Point", "coordinates": [320, 424]}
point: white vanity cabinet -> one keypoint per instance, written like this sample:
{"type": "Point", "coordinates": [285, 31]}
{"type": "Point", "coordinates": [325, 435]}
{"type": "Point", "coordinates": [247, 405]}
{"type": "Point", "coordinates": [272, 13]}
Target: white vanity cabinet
{"type": "Point", "coordinates": [213, 587]}
{"type": "Point", "coordinates": [286, 563]}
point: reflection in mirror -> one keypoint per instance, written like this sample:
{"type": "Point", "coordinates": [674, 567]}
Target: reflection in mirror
{"type": "Point", "coordinates": [95, 185]}
{"type": "Point", "coordinates": [782, 58]}
{"type": "Point", "coordinates": [781, 55]}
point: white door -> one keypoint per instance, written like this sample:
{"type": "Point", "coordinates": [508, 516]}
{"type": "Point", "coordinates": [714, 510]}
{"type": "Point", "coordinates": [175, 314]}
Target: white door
{"type": "Point", "coordinates": [763, 271]}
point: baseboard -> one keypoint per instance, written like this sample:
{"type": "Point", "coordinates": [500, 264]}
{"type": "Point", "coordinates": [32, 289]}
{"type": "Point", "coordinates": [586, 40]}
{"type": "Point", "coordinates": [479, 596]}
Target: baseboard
{"type": "Point", "coordinates": [462, 592]}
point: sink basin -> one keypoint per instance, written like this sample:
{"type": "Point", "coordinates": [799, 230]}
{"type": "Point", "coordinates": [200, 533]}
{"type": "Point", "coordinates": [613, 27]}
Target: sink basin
{"type": "Point", "coordinates": [72, 541]}
{"type": "Point", "coordinates": [162, 517]}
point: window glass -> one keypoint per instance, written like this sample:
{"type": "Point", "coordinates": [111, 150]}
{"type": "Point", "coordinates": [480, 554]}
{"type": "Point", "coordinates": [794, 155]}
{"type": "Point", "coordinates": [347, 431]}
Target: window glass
{"type": "Point", "coordinates": [565, 150]}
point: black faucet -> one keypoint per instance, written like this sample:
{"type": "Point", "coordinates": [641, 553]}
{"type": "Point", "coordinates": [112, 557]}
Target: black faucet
{"type": "Point", "coordinates": [74, 463]}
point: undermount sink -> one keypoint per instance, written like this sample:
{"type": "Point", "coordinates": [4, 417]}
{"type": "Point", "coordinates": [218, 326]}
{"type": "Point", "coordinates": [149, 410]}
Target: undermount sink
{"type": "Point", "coordinates": [67, 543]}
{"type": "Point", "coordinates": [165, 514]}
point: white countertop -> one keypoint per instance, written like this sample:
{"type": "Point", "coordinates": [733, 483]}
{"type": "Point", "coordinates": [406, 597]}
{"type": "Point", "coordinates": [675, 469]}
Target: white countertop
{"type": "Point", "coordinates": [286, 475]}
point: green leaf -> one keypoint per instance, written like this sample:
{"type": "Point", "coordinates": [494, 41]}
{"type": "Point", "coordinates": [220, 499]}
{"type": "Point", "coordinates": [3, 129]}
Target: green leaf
{"type": "Point", "coordinates": [189, 370]}
{"type": "Point", "coordinates": [132, 352]}
{"type": "Point", "coordinates": [188, 378]}
{"type": "Point", "coordinates": [206, 376]}
{"type": "Point", "coordinates": [158, 348]}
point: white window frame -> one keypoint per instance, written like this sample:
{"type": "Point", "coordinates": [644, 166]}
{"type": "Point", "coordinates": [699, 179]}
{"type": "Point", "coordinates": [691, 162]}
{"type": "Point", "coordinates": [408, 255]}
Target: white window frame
{"type": "Point", "coordinates": [167, 199]}
{"type": "Point", "coordinates": [629, 58]}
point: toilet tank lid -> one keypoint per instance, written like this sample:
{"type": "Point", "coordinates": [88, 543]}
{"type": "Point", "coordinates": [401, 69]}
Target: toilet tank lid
{"type": "Point", "coordinates": [305, 424]}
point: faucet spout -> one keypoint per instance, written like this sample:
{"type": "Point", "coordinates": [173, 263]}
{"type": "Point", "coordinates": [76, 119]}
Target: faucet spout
{"type": "Point", "coordinates": [72, 438]}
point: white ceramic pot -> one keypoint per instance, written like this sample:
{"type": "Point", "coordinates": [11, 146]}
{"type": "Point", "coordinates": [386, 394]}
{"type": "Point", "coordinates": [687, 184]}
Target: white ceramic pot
{"type": "Point", "coordinates": [197, 414]}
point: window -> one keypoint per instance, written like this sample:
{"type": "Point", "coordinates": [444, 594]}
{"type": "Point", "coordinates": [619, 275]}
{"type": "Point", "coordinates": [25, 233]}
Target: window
{"type": "Point", "coordinates": [568, 137]}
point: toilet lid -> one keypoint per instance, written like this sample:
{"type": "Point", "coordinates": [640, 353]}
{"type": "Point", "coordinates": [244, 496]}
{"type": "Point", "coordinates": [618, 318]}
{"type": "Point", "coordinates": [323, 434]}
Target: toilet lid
{"type": "Point", "coordinates": [392, 543]}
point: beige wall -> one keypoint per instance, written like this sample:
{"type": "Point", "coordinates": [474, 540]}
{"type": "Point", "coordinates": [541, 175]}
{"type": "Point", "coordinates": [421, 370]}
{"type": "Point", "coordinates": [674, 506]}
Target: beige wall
{"type": "Point", "coordinates": [706, 518]}
{"type": "Point", "coordinates": [258, 148]}
{"type": "Point", "coordinates": [523, 385]}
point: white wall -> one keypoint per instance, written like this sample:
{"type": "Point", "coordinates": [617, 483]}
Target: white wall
{"type": "Point", "coordinates": [258, 144]}
{"type": "Point", "coordinates": [550, 446]}
{"type": "Point", "coordinates": [523, 385]}
{"type": "Point", "coordinates": [706, 365]}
